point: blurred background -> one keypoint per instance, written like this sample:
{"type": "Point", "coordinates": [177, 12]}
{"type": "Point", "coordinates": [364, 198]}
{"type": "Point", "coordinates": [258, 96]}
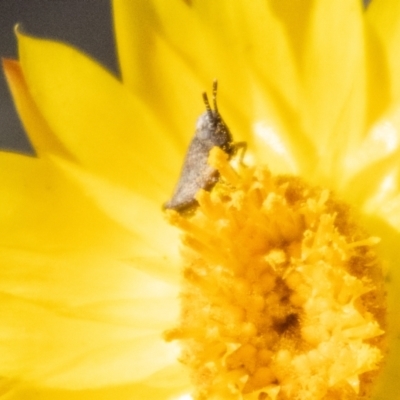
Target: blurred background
{"type": "Point", "coordinates": [86, 24]}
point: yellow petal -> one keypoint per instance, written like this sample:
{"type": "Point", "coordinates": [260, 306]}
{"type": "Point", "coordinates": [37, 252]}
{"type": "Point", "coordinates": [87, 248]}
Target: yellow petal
{"type": "Point", "coordinates": [75, 313]}
{"type": "Point", "coordinates": [42, 211]}
{"type": "Point", "coordinates": [375, 160]}
{"type": "Point", "coordinates": [97, 119]}
{"type": "Point", "coordinates": [91, 286]}
{"type": "Point", "coordinates": [139, 25]}
{"type": "Point", "coordinates": [225, 33]}
{"type": "Point", "coordinates": [169, 383]}
{"type": "Point", "coordinates": [159, 68]}
{"type": "Point", "coordinates": [278, 141]}
{"type": "Point", "coordinates": [381, 140]}
{"type": "Point", "coordinates": [76, 321]}
{"type": "Point", "coordinates": [388, 383]}
{"type": "Point", "coordinates": [35, 195]}
{"type": "Point", "coordinates": [379, 96]}
{"type": "Point", "coordinates": [35, 125]}
{"type": "Point", "coordinates": [252, 34]}
{"type": "Point", "coordinates": [49, 349]}
{"type": "Point", "coordinates": [384, 17]}
{"type": "Point", "coordinates": [132, 210]}
{"type": "Point", "coordinates": [153, 70]}
{"type": "Point", "coordinates": [375, 174]}
{"type": "Point", "coordinates": [331, 71]}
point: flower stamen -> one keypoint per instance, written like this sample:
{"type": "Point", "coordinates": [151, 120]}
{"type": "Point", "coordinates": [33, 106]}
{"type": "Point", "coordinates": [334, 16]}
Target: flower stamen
{"type": "Point", "coordinates": [280, 298]}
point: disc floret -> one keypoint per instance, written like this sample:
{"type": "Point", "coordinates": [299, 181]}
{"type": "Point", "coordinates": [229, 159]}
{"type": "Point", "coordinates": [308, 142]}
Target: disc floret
{"type": "Point", "coordinates": [280, 297]}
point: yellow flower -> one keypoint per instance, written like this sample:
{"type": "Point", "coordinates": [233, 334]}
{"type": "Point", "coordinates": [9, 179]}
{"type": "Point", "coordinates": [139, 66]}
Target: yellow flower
{"type": "Point", "coordinates": [90, 269]}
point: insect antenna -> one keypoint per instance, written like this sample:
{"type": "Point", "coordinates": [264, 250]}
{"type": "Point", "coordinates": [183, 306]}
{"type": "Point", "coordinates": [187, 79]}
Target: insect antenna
{"type": "Point", "coordinates": [215, 88]}
{"type": "Point", "coordinates": [207, 104]}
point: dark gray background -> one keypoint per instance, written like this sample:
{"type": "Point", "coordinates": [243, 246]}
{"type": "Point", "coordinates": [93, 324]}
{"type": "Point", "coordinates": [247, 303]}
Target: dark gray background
{"type": "Point", "coordinates": [86, 24]}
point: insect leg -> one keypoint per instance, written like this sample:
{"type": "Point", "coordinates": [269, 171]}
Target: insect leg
{"type": "Point", "coordinates": [239, 147]}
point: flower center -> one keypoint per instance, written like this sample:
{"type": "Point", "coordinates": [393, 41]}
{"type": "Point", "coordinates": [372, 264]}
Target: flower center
{"type": "Point", "coordinates": [282, 293]}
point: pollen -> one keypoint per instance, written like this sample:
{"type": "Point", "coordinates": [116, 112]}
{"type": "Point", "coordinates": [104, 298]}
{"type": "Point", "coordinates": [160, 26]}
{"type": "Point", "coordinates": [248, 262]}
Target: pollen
{"type": "Point", "coordinates": [282, 291]}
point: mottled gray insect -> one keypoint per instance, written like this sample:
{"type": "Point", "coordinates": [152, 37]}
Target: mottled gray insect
{"type": "Point", "coordinates": [196, 174]}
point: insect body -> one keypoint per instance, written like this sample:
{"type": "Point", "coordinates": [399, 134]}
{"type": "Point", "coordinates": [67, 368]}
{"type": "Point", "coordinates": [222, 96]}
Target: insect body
{"type": "Point", "coordinates": [196, 174]}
